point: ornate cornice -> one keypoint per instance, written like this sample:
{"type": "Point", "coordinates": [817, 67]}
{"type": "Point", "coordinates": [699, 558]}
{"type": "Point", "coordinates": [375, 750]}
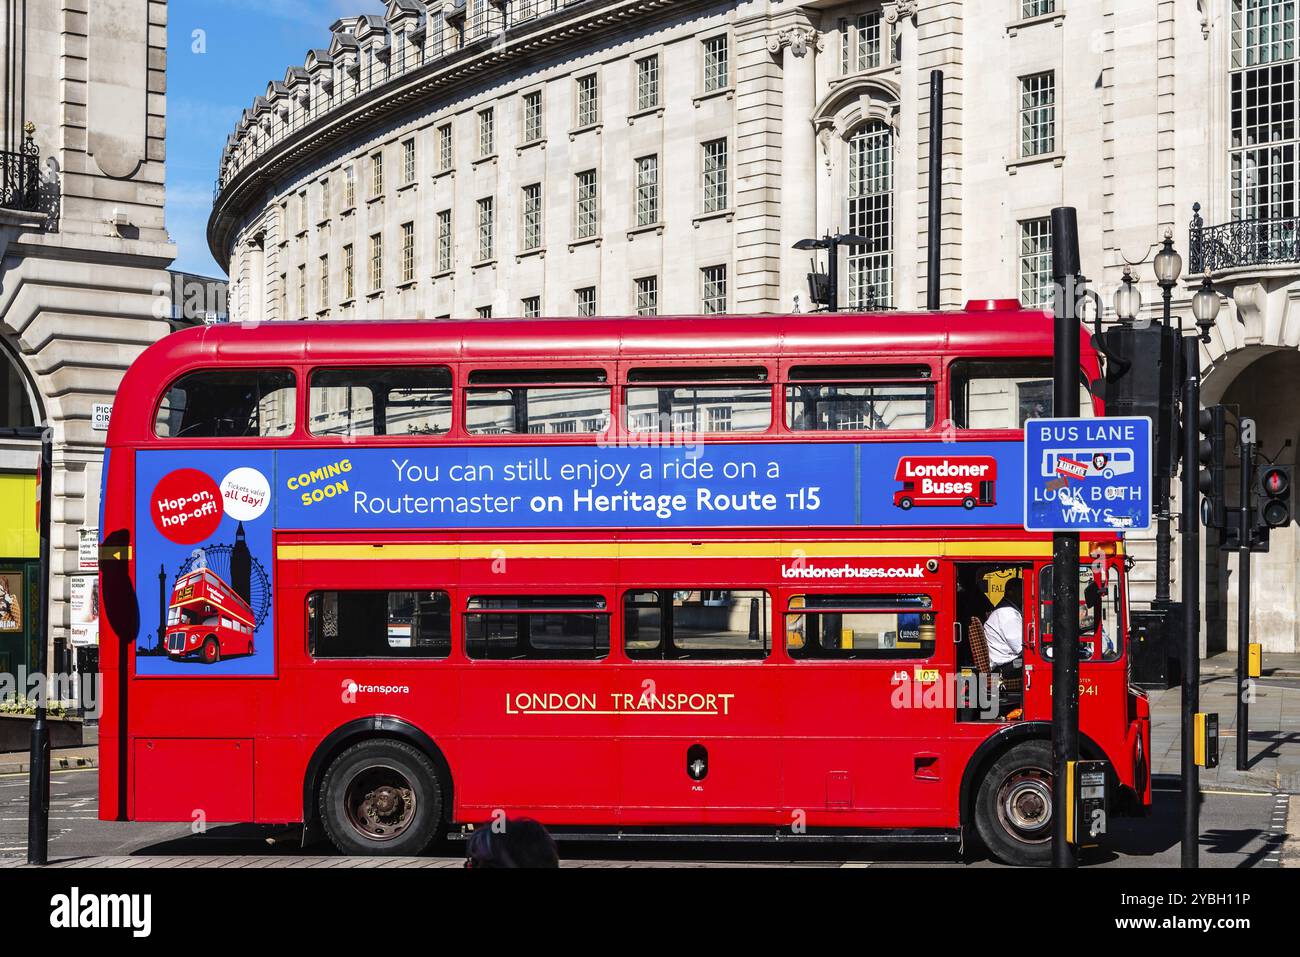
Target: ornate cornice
{"type": "Point", "coordinates": [798, 39]}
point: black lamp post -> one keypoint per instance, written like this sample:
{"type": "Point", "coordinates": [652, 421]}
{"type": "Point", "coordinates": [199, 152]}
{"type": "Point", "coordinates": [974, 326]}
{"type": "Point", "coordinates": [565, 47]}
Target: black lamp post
{"type": "Point", "coordinates": [1168, 267]}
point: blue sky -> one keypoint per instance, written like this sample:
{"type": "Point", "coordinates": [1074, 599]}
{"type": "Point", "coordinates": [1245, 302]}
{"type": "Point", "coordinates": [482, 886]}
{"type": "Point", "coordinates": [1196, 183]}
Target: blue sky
{"type": "Point", "coordinates": [211, 79]}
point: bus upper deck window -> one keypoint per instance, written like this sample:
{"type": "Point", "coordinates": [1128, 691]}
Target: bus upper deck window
{"type": "Point", "coordinates": [851, 398]}
{"type": "Point", "coordinates": [1003, 393]}
{"type": "Point", "coordinates": [709, 399]}
{"type": "Point", "coordinates": [388, 400]}
{"type": "Point", "coordinates": [228, 403]}
{"type": "Point", "coordinates": [537, 402]}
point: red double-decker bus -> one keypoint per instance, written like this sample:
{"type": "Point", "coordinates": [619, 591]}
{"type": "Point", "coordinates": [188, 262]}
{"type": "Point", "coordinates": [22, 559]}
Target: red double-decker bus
{"type": "Point", "coordinates": [207, 620]}
{"type": "Point", "coordinates": [625, 576]}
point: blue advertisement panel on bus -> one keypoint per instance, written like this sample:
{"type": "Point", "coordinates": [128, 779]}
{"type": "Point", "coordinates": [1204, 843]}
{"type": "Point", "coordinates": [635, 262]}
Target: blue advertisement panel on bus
{"type": "Point", "coordinates": [205, 536]}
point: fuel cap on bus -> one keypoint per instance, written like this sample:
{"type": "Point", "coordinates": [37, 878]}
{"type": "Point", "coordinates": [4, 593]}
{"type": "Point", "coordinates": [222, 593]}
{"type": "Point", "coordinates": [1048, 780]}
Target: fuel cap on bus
{"type": "Point", "coordinates": [697, 762]}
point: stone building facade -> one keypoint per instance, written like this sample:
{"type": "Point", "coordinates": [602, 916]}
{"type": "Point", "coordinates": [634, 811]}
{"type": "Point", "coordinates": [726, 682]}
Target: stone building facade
{"type": "Point", "coordinates": [83, 258]}
{"type": "Point", "coordinates": [557, 157]}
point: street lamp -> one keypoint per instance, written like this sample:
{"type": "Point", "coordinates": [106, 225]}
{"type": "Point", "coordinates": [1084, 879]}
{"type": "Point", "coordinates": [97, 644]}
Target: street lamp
{"type": "Point", "coordinates": [1128, 298]}
{"type": "Point", "coordinates": [1168, 266]}
{"type": "Point", "coordinates": [1205, 307]}
{"type": "Point", "coordinates": [832, 244]}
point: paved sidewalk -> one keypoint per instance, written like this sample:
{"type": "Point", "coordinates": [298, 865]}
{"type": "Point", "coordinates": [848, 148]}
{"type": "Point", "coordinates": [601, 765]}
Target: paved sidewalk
{"type": "Point", "coordinates": [1274, 763]}
{"type": "Point", "coordinates": [60, 760]}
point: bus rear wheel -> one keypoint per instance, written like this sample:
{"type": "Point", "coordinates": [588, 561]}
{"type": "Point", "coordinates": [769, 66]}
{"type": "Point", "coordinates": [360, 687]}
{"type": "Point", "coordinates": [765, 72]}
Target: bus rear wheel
{"type": "Point", "coordinates": [211, 651]}
{"type": "Point", "coordinates": [381, 798]}
{"type": "Point", "coordinates": [1013, 809]}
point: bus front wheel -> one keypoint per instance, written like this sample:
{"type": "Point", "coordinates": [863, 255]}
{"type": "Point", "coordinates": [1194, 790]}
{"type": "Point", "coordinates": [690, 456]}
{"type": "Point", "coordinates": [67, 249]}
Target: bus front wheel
{"type": "Point", "coordinates": [1013, 810]}
{"type": "Point", "coordinates": [211, 651]}
{"type": "Point", "coordinates": [381, 798]}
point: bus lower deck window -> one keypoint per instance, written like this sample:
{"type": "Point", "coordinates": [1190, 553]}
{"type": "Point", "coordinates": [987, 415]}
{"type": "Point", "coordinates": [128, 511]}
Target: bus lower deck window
{"type": "Point", "coordinates": [537, 628]}
{"type": "Point", "coordinates": [856, 627]}
{"type": "Point", "coordinates": [382, 400]}
{"type": "Point", "coordinates": [228, 403]}
{"type": "Point", "coordinates": [696, 624]}
{"type": "Point", "coordinates": [379, 624]}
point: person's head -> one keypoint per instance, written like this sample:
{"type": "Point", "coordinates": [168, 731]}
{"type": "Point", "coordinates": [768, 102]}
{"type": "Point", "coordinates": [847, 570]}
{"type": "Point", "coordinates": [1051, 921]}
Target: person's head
{"type": "Point", "coordinates": [1013, 593]}
{"type": "Point", "coordinates": [521, 842]}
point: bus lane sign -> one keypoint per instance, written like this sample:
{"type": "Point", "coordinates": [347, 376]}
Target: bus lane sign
{"type": "Point", "coordinates": [1087, 475]}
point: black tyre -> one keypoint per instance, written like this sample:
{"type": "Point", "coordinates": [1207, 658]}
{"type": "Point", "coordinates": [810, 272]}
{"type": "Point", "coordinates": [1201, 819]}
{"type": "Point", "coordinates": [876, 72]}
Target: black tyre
{"type": "Point", "coordinates": [381, 798]}
{"type": "Point", "coordinates": [1013, 809]}
{"type": "Point", "coordinates": [905, 504]}
{"type": "Point", "coordinates": [211, 652]}
{"type": "Point", "coordinates": [968, 503]}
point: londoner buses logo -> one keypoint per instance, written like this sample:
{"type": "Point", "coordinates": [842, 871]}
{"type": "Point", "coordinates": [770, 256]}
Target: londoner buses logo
{"type": "Point", "coordinates": [648, 702]}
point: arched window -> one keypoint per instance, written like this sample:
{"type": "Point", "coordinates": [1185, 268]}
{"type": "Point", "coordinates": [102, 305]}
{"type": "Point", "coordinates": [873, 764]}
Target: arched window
{"type": "Point", "coordinates": [871, 214]}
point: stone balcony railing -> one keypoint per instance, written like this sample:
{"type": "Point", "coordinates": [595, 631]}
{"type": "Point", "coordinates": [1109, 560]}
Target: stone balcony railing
{"type": "Point", "coordinates": [373, 52]}
{"type": "Point", "coordinates": [1242, 244]}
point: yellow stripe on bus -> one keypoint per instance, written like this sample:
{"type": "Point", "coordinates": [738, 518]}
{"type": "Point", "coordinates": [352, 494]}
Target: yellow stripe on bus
{"type": "Point", "coordinates": [660, 549]}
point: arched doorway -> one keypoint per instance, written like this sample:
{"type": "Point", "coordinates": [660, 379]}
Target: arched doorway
{"type": "Point", "coordinates": [19, 541]}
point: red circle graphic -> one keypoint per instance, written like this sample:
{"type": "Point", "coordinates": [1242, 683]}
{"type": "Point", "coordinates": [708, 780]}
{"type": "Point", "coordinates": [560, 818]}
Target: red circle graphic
{"type": "Point", "coordinates": [186, 506]}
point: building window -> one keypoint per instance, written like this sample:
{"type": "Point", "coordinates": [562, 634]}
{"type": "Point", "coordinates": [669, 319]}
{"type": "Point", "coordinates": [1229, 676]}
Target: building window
{"type": "Point", "coordinates": [531, 307]}
{"type": "Point", "coordinates": [715, 175]}
{"type": "Point", "coordinates": [302, 290]}
{"type": "Point", "coordinates": [1036, 262]}
{"type": "Point", "coordinates": [1038, 114]}
{"type": "Point", "coordinates": [483, 312]}
{"type": "Point", "coordinates": [588, 106]}
{"type": "Point", "coordinates": [647, 191]}
{"type": "Point", "coordinates": [647, 83]}
{"type": "Point", "coordinates": [713, 292]}
{"type": "Point", "coordinates": [349, 274]}
{"type": "Point", "coordinates": [487, 132]}
{"type": "Point", "coordinates": [325, 210]}
{"type": "Point", "coordinates": [861, 43]}
{"type": "Point", "coordinates": [376, 262]}
{"type": "Point", "coordinates": [647, 296]}
{"type": "Point", "coordinates": [1036, 8]}
{"type": "Point", "coordinates": [532, 216]}
{"type": "Point", "coordinates": [302, 212]}
{"type": "Point", "coordinates": [444, 241]}
{"type": "Point", "coordinates": [486, 228]}
{"type": "Point", "coordinates": [586, 211]}
{"type": "Point", "coordinates": [717, 65]}
{"type": "Point", "coordinates": [585, 300]}
{"type": "Point", "coordinates": [350, 187]}
{"type": "Point", "coordinates": [324, 284]}
{"type": "Point", "coordinates": [377, 175]}
{"type": "Point", "coordinates": [871, 214]}
{"type": "Point", "coordinates": [533, 116]}
{"type": "Point", "coordinates": [1264, 152]}
{"type": "Point", "coordinates": [408, 162]}
{"type": "Point", "coordinates": [445, 158]}
{"type": "Point", "coordinates": [408, 252]}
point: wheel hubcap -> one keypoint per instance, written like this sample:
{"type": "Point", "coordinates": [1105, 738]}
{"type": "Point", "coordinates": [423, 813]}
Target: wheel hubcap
{"type": "Point", "coordinates": [1025, 805]}
{"type": "Point", "coordinates": [380, 803]}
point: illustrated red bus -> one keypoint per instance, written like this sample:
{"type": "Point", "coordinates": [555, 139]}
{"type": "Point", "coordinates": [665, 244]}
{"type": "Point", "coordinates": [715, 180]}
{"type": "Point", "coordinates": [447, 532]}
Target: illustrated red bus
{"type": "Point", "coordinates": [636, 576]}
{"type": "Point", "coordinates": [207, 620]}
{"type": "Point", "coordinates": [961, 480]}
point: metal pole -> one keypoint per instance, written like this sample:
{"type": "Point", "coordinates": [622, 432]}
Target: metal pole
{"type": "Point", "coordinates": [38, 780]}
{"type": "Point", "coordinates": [932, 275]}
{"type": "Point", "coordinates": [1191, 600]}
{"type": "Point", "coordinates": [1247, 459]}
{"type": "Point", "coordinates": [1065, 545]}
{"type": "Point", "coordinates": [1164, 542]}
{"type": "Point", "coordinates": [833, 274]}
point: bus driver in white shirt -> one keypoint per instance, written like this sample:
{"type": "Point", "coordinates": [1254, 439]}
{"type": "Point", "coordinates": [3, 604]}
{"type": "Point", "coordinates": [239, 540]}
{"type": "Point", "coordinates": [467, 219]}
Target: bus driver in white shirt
{"type": "Point", "coordinates": [1005, 628]}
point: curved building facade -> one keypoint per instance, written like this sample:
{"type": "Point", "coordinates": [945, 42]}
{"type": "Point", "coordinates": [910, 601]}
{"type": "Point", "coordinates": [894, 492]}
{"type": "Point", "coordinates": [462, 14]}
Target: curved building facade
{"type": "Point", "coordinates": [565, 157]}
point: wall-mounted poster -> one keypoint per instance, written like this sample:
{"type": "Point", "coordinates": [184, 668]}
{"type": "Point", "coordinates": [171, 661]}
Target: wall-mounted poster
{"type": "Point", "coordinates": [84, 628]}
{"type": "Point", "coordinates": [11, 604]}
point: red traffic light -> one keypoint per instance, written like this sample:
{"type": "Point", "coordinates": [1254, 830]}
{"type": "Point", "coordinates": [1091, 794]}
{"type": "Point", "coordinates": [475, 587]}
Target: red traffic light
{"type": "Point", "coordinates": [1276, 482]}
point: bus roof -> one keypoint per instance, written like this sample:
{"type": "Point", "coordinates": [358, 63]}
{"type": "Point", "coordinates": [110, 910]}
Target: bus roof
{"type": "Point", "coordinates": [997, 328]}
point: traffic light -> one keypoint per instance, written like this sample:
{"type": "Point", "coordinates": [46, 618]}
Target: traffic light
{"type": "Point", "coordinates": [1212, 453]}
{"type": "Point", "coordinates": [1273, 496]}
{"type": "Point", "coordinates": [1144, 371]}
